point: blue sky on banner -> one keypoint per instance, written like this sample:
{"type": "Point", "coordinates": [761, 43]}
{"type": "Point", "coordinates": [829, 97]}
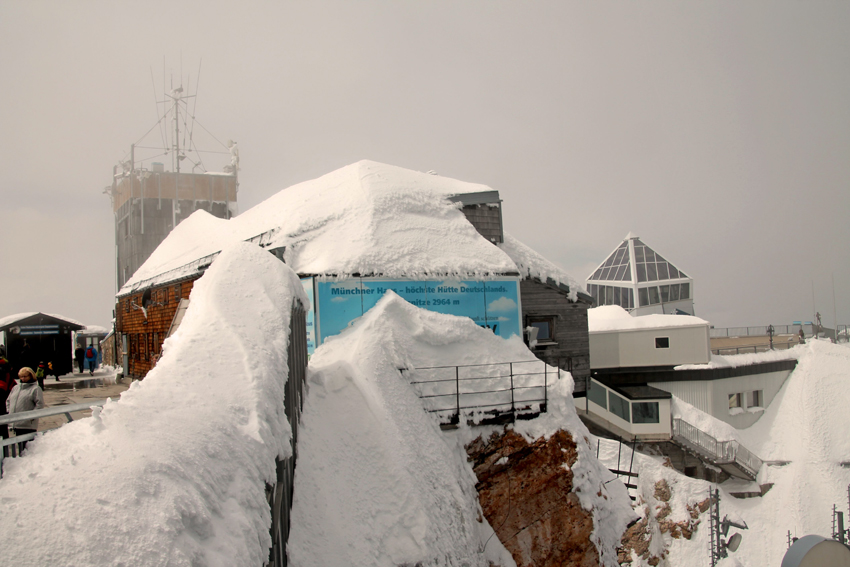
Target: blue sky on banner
{"type": "Point", "coordinates": [492, 303]}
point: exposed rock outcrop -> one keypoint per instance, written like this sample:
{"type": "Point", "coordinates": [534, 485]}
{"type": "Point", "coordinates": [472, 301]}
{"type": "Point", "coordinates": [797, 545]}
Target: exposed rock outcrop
{"type": "Point", "coordinates": [526, 492]}
{"type": "Point", "coordinates": [638, 538]}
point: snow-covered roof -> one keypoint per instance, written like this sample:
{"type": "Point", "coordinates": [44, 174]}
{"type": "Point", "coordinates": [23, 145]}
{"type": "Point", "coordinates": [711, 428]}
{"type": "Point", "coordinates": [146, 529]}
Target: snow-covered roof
{"type": "Point", "coordinates": [609, 318]}
{"type": "Point", "coordinates": [365, 218]}
{"type": "Point", "coordinates": [530, 263]}
{"type": "Point", "coordinates": [94, 330]}
{"type": "Point", "coordinates": [9, 319]}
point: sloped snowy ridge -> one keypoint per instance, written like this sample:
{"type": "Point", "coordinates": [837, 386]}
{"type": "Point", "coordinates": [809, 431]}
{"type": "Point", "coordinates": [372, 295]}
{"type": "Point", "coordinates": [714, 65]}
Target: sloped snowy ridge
{"type": "Point", "coordinates": [175, 473]}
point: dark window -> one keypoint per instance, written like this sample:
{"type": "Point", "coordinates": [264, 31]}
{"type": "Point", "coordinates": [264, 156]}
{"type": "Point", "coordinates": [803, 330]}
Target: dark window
{"type": "Point", "coordinates": [662, 271]}
{"type": "Point", "coordinates": [653, 295]}
{"type": "Point", "coordinates": [674, 292]}
{"type": "Point", "coordinates": [645, 412]}
{"type": "Point", "coordinates": [626, 274]}
{"type": "Point", "coordinates": [597, 394]}
{"type": "Point", "coordinates": [665, 293]}
{"type": "Point", "coordinates": [662, 342]}
{"type": "Point", "coordinates": [146, 298]}
{"type": "Point", "coordinates": [619, 406]}
{"type": "Point", "coordinates": [641, 272]}
{"type": "Point", "coordinates": [631, 298]}
{"type": "Point", "coordinates": [639, 257]}
{"type": "Point", "coordinates": [616, 296]}
{"type": "Point", "coordinates": [674, 273]}
{"type": "Point", "coordinates": [734, 401]}
{"type": "Point", "coordinates": [126, 306]}
{"type": "Point", "coordinates": [643, 295]}
{"type": "Point", "coordinates": [684, 291]}
{"type": "Point", "coordinates": [545, 327]}
{"type": "Point", "coordinates": [651, 272]}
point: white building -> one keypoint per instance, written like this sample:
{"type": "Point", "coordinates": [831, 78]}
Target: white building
{"type": "Point", "coordinates": [640, 280]}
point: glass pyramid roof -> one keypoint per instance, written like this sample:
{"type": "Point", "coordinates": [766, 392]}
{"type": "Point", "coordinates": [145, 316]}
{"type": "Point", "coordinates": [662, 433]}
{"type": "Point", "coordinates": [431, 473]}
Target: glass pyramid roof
{"type": "Point", "coordinates": [649, 265]}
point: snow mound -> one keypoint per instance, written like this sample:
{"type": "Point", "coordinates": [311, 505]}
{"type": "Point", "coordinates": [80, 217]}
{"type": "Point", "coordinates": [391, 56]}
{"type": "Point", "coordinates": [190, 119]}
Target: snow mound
{"type": "Point", "coordinates": [366, 218]}
{"type": "Point", "coordinates": [615, 318]}
{"type": "Point", "coordinates": [175, 472]}
{"type": "Point", "coordinates": [735, 360]}
{"type": "Point", "coordinates": [378, 482]}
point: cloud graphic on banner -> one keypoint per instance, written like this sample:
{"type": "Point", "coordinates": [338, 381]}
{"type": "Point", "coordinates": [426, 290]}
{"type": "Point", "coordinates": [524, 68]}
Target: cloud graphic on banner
{"type": "Point", "coordinates": [502, 304]}
{"type": "Point", "coordinates": [338, 299]}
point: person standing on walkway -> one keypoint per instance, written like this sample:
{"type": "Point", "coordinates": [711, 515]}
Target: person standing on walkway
{"type": "Point", "coordinates": [7, 382]}
{"type": "Point", "coordinates": [80, 356]}
{"type": "Point", "coordinates": [26, 396]}
{"type": "Point", "coordinates": [39, 375]}
{"type": "Point", "coordinates": [91, 358]}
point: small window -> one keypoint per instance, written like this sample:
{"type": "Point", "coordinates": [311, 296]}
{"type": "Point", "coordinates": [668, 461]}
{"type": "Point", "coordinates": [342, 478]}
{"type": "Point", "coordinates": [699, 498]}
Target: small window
{"type": "Point", "coordinates": [653, 295]}
{"type": "Point", "coordinates": [674, 292]}
{"type": "Point", "coordinates": [755, 399]}
{"type": "Point", "coordinates": [597, 394]}
{"type": "Point", "coordinates": [645, 412]}
{"type": "Point", "coordinates": [643, 295]}
{"type": "Point", "coordinates": [651, 272]}
{"type": "Point", "coordinates": [619, 406]}
{"type": "Point", "coordinates": [684, 291]}
{"type": "Point", "coordinates": [665, 293]}
{"type": "Point", "coordinates": [545, 327]}
{"type": "Point", "coordinates": [641, 272]}
{"type": "Point", "coordinates": [662, 342]}
{"type": "Point", "coordinates": [734, 401]}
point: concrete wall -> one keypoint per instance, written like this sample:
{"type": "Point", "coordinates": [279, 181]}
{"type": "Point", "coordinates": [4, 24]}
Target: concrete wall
{"type": "Point", "coordinates": [712, 396]}
{"type": "Point", "coordinates": [636, 348]}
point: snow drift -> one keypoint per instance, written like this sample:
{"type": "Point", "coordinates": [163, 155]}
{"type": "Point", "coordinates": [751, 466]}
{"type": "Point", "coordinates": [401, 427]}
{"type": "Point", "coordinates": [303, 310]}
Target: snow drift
{"type": "Point", "coordinates": [378, 482]}
{"type": "Point", "coordinates": [175, 472]}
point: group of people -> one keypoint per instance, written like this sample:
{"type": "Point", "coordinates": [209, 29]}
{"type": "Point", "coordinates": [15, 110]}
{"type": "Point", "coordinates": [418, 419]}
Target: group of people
{"type": "Point", "coordinates": [27, 392]}
{"type": "Point", "coordinates": [86, 356]}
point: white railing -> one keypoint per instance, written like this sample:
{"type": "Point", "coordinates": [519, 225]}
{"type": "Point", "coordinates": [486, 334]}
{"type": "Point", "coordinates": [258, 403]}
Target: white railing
{"type": "Point", "coordinates": [718, 452]}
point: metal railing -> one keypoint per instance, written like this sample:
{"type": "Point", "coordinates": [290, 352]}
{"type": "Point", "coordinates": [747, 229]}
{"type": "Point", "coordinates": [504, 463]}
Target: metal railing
{"type": "Point", "coordinates": [717, 452]}
{"type": "Point", "coordinates": [484, 392]}
{"type": "Point", "coordinates": [743, 349]}
{"type": "Point", "coordinates": [842, 333]}
{"type": "Point", "coordinates": [12, 442]}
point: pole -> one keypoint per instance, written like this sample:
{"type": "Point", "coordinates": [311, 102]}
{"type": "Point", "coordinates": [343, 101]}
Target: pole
{"type": "Point", "coordinates": [457, 391]}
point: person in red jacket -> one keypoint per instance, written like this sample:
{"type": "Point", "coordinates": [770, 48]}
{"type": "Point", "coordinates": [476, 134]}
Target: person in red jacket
{"type": "Point", "coordinates": [7, 382]}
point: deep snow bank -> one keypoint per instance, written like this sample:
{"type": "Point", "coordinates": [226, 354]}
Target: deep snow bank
{"type": "Point", "coordinates": [377, 481]}
{"type": "Point", "coordinates": [174, 473]}
{"type": "Point", "coordinates": [802, 439]}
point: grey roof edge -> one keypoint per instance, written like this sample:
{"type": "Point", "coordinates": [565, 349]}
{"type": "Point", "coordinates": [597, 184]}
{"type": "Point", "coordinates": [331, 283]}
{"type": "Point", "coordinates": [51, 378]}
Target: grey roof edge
{"type": "Point", "coordinates": [477, 198]}
{"type": "Point", "coordinates": [72, 324]}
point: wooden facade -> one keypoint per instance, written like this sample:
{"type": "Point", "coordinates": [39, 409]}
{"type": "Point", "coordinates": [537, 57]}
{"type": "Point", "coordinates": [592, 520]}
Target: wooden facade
{"type": "Point", "coordinates": [569, 345]}
{"type": "Point", "coordinates": [147, 328]}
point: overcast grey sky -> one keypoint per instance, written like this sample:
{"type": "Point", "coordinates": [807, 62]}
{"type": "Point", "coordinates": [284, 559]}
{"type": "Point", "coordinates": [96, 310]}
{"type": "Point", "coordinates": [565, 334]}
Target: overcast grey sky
{"type": "Point", "coordinates": [719, 132]}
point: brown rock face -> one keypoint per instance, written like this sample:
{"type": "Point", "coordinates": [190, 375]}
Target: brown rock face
{"type": "Point", "coordinates": [528, 499]}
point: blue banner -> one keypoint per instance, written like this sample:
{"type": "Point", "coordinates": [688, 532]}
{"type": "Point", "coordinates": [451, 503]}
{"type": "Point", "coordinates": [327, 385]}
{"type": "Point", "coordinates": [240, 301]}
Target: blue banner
{"type": "Point", "coordinates": [490, 303]}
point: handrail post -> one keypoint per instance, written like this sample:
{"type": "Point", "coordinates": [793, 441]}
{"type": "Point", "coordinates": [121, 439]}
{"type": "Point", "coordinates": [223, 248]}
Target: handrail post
{"type": "Point", "coordinates": [457, 391]}
{"type": "Point", "coordinates": [513, 409]}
